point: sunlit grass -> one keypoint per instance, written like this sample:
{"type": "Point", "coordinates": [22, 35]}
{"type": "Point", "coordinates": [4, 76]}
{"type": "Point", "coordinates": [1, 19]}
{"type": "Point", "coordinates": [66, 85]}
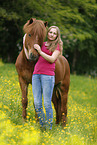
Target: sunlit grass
{"type": "Point", "coordinates": [81, 128]}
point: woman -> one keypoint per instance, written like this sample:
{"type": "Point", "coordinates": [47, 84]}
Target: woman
{"type": "Point", "coordinates": [43, 78]}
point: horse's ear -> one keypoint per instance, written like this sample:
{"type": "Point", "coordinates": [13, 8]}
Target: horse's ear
{"type": "Point", "coordinates": [31, 21]}
{"type": "Point", "coordinates": [45, 23]}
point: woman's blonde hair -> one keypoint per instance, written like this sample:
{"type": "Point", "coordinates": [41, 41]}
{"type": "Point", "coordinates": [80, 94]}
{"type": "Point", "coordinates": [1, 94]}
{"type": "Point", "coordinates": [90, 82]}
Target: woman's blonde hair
{"type": "Point", "coordinates": [53, 44]}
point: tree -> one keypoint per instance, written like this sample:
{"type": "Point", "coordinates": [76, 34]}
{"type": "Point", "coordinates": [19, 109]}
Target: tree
{"type": "Point", "coordinates": [80, 21]}
{"type": "Point", "coordinates": [13, 15]}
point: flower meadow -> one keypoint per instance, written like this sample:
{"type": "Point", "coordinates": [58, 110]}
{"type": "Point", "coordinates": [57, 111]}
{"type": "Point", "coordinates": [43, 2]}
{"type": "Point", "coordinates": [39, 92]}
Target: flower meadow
{"type": "Point", "coordinates": [81, 128]}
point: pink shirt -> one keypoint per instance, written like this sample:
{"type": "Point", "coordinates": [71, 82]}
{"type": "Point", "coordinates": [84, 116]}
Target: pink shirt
{"type": "Point", "coordinates": [43, 66]}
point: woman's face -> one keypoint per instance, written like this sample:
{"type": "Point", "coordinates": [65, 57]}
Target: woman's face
{"type": "Point", "coordinates": [52, 34]}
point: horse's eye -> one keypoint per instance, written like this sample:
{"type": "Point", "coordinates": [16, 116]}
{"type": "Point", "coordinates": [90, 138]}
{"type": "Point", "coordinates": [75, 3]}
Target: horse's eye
{"type": "Point", "coordinates": [29, 35]}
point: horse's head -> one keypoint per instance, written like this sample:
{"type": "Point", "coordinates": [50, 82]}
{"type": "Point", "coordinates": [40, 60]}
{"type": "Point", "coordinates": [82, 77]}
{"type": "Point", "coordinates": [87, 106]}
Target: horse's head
{"type": "Point", "coordinates": [35, 33]}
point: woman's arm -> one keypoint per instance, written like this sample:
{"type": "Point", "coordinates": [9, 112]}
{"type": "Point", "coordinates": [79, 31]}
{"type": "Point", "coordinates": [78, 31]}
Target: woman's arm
{"type": "Point", "coordinates": [49, 58]}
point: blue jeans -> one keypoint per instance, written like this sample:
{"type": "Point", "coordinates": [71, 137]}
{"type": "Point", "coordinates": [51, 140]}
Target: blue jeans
{"type": "Point", "coordinates": [43, 84]}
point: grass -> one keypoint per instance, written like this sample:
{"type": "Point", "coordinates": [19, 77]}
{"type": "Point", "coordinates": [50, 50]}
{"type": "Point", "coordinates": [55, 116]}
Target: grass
{"type": "Point", "coordinates": [81, 128]}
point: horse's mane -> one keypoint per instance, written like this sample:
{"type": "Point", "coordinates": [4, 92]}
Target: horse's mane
{"type": "Point", "coordinates": [37, 28]}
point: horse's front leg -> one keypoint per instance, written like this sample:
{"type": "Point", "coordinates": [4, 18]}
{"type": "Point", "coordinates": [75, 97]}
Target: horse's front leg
{"type": "Point", "coordinates": [24, 89]}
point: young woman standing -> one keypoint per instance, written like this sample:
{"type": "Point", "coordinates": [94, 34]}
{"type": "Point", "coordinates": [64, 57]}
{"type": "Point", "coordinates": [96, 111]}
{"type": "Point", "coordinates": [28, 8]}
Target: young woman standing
{"type": "Point", "coordinates": [43, 78]}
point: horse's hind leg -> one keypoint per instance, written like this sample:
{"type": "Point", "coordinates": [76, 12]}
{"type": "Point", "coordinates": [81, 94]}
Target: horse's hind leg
{"type": "Point", "coordinates": [64, 108]}
{"type": "Point", "coordinates": [24, 89]}
{"type": "Point", "coordinates": [57, 105]}
{"type": "Point", "coordinates": [64, 99]}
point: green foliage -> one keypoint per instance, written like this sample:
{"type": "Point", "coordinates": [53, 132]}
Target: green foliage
{"type": "Point", "coordinates": [8, 16]}
{"type": "Point", "coordinates": [81, 128]}
{"type": "Point", "coordinates": [76, 19]}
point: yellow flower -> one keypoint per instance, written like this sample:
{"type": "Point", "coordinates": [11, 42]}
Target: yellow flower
{"type": "Point", "coordinates": [30, 137]}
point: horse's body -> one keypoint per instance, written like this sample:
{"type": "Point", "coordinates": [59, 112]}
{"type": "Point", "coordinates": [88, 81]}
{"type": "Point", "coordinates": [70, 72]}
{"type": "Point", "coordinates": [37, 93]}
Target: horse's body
{"type": "Point", "coordinates": [25, 70]}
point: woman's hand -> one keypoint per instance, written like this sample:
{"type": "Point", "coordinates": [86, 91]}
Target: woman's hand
{"type": "Point", "coordinates": [49, 58]}
{"type": "Point", "coordinates": [37, 47]}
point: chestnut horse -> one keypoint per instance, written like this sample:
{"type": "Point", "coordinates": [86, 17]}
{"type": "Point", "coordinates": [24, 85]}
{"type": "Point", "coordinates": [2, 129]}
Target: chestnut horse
{"type": "Point", "coordinates": [35, 33]}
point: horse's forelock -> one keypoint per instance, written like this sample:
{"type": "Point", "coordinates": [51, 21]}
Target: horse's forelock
{"type": "Point", "coordinates": [37, 28]}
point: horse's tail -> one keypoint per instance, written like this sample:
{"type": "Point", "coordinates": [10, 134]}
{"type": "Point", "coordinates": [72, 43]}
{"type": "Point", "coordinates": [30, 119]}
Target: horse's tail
{"type": "Point", "coordinates": [58, 91]}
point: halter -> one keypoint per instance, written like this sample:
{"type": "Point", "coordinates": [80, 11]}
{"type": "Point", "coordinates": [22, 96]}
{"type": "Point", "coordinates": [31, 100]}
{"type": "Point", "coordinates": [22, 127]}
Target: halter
{"type": "Point", "coordinates": [25, 50]}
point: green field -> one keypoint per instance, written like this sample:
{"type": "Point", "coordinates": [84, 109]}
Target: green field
{"type": "Point", "coordinates": [81, 128]}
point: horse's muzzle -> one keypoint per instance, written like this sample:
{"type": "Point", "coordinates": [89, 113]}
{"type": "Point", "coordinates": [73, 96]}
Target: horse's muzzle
{"type": "Point", "coordinates": [33, 57]}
